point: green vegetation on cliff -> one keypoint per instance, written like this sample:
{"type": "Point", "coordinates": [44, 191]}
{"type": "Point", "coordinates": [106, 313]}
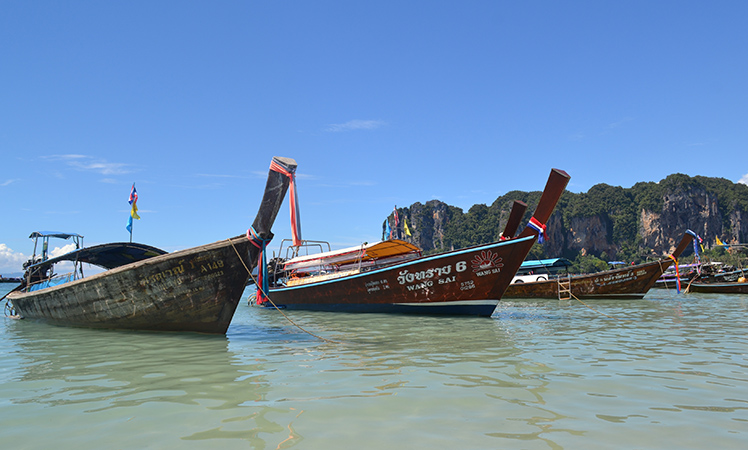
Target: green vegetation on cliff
{"type": "Point", "coordinates": [604, 223]}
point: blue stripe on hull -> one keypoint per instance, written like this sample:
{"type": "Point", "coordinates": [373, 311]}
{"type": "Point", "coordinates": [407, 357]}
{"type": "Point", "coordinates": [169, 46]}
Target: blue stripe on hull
{"type": "Point", "coordinates": [432, 309]}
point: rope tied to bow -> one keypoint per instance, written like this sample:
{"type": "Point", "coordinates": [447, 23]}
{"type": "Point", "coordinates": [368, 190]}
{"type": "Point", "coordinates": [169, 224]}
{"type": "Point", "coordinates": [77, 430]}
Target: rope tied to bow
{"type": "Point", "coordinates": [263, 282]}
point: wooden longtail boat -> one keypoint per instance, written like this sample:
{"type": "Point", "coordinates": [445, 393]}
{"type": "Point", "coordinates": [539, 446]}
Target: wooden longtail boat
{"type": "Point", "coordinates": [629, 282]}
{"type": "Point", "coordinates": [719, 281]}
{"type": "Point", "coordinates": [729, 287]}
{"type": "Point", "coordinates": [469, 281]}
{"type": "Point", "coordinates": [144, 288]}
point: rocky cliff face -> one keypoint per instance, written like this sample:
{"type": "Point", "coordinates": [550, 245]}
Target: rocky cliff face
{"type": "Point", "coordinates": [646, 220]}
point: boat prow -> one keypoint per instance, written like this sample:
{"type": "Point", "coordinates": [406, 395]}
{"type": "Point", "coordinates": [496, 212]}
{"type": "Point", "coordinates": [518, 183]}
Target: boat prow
{"type": "Point", "coordinates": [197, 289]}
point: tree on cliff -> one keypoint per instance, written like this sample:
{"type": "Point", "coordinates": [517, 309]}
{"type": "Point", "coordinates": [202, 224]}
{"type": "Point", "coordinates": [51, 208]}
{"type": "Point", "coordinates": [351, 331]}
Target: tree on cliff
{"type": "Point", "coordinates": [606, 222]}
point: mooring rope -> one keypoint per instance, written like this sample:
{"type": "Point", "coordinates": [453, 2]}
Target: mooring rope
{"type": "Point", "coordinates": [10, 310]}
{"type": "Point", "coordinates": [267, 297]}
{"type": "Point", "coordinates": [593, 309]}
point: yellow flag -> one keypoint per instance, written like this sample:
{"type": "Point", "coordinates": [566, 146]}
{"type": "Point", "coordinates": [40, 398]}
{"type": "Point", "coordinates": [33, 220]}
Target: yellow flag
{"type": "Point", "coordinates": [719, 242]}
{"type": "Point", "coordinates": [134, 211]}
{"type": "Point", "coordinates": [405, 224]}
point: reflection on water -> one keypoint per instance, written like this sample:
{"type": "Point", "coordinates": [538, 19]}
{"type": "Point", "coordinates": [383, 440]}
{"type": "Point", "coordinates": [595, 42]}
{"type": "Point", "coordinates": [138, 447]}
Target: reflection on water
{"type": "Point", "coordinates": [668, 369]}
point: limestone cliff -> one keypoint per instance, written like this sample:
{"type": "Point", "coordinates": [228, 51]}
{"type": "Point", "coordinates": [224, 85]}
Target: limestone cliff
{"type": "Point", "coordinates": [644, 221]}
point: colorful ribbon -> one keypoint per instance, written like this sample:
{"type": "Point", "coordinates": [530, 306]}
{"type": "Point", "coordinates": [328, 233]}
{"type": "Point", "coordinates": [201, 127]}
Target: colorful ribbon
{"type": "Point", "coordinates": [263, 284]}
{"type": "Point", "coordinates": [677, 275]}
{"type": "Point", "coordinates": [294, 202]}
{"type": "Point", "coordinates": [696, 244]}
{"type": "Point", "coordinates": [539, 227]}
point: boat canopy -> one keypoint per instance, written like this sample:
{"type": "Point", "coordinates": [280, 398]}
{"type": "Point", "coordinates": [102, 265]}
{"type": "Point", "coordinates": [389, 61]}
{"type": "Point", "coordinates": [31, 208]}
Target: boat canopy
{"type": "Point", "coordinates": [56, 234]}
{"type": "Point", "coordinates": [108, 256]}
{"type": "Point", "coordinates": [534, 264]}
{"type": "Point", "coordinates": [364, 252]}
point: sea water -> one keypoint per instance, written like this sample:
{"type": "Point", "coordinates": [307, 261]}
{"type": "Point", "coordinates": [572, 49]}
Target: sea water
{"type": "Point", "coordinates": [669, 371]}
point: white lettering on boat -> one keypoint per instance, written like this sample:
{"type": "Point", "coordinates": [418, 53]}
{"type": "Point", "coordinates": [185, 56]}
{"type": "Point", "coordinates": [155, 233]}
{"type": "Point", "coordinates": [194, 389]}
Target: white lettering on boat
{"type": "Point", "coordinates": [377, 285]}
{"type": "Point", "coordinates": [467, 285]}
{"type": "Point", "coordinates": [408, 277]}
{"type": "Point", "coordinates": [617, 278]}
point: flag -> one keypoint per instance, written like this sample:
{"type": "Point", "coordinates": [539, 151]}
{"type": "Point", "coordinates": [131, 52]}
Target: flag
{"type": "Point", "coordinates": [722, 244]}
{"type": "Point", "coordinates": [387, 231]}
{"type": "Point", "coordinates": [133, 200]}
{"type": "Point", "coordinates": [405, 225]}
{"type": "Point", "coordinates": [397, 219]}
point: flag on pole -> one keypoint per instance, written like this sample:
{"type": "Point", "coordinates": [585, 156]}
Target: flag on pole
{"type": "Point", "coordinates": [133, 200]}
{"type": "Point", "coordinates": [405, 225]}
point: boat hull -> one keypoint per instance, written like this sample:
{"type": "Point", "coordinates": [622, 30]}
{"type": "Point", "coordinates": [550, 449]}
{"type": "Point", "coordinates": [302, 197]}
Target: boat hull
{"type": "Point", "coordinates": [191, 290]}
{"type": "Point", "coordinates": [464, 282]}
{"type": "Point", "coordinates": [719, 288]}
{"type": "Point", "coordinates": [631, 282]}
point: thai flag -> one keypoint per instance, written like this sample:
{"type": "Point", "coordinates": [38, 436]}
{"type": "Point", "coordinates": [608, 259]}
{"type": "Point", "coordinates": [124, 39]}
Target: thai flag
{"type": "Point", "coordinates": [133, 195]}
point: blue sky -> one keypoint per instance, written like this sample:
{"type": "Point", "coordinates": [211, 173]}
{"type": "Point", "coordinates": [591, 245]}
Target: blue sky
{"type": "Point", "coordinates": [381, 103]}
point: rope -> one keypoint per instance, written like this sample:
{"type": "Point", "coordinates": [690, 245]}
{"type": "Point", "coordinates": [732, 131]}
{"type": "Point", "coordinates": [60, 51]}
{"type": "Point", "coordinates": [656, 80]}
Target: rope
{"type": "Point", "coordinates": [601, 313]}
{"type": "Point", "coordinates": [688, 288]}
{"type": "Point", "coordinates": [262, 274]}
{"type": "Point", "coordinates": [271, 301]}
{"type": "Point", "coordinates": [10, 310]}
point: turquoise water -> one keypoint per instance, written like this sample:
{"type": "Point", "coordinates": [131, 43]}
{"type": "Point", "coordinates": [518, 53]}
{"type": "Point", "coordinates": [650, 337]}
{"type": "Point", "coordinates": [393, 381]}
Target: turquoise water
{"type": "Point", "coordinates": [669, 371]}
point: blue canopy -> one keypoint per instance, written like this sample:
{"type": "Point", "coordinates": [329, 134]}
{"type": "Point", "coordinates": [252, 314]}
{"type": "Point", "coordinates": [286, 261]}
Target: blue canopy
{"type": "Point", "coordinates": [108, 256]}
{"type": "Point", "coordinates": [57, 234]}
{"type": "Point", "coordinates": [545, 263]}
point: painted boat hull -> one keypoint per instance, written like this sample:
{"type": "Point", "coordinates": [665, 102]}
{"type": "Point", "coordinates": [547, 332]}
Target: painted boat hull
{"type": "Point", "coordinates": [719, 288]}
{"type": "Point", "coordinates": [191, 290]}
{"type": "Point", "coordinates": [464, 282]}
{"type": "Point", "coordinates": [630, 282]}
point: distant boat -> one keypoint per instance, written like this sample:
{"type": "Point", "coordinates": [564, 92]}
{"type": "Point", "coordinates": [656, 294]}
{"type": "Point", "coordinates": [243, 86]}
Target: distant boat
{"type": "Point", "coordinates": [145, 288]}
{"type": "Point", "coordinates": [469, 281]}
{"type": "Point", "coordinates": [719, 282]}
{"type": "Point", "coordinates": [625, 282]}
{"type": "Point", "coordinates": [9, 280]}
{"type": "Point", "coordinates": [728, 287]}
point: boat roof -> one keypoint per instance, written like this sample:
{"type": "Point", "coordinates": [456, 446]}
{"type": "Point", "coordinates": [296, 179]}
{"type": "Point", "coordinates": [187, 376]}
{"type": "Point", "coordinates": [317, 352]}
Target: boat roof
{"type": "Point", "coordinates": [57, 234]}
{"type": "Point", "coordinates": [365, 252]}
{"type": "Point", "coordinates": [108, 256]}
{"type": "Point", "coordinates": [540, 263]}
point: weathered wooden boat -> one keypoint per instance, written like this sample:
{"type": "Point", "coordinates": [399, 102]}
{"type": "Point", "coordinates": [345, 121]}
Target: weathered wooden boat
{"type": "Point", "coordinates": [628, 282]}
{"type": "Point", "coordinates": [469, 281]}
{"type": "Point", "coordinates": [144, 288]}
{"type": "Point", "coordinates": [728, 287]}
{"type": "Point", "coordinates": [719, 279]}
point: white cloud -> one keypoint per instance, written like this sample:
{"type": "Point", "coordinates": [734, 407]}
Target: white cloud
{"type": "Point", "coordinates": [88, 163]}
{"type": "Point", "coordinates": [11, 261]}
{"type": "Point", "coordinates": [353, 125]}
{"type": "Point", "coordinates": [57, 251]}
{"type": "Point", "coordinates": [744, 180]}
{"type": "Point", "coordinates": [7, 182]}
{"type": "Point", "coordinates": [620, 123]}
